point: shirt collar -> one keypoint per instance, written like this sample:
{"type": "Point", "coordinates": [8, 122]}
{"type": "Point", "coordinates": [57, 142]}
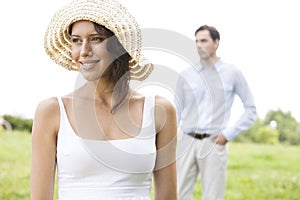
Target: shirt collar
{"type": "Point", "coordinates": [216, 66]}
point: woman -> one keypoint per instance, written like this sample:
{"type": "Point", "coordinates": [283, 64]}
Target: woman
{"type": "Point", "coordinates": [105, 139]}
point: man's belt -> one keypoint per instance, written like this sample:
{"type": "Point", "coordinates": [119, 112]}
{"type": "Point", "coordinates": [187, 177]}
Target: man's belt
{"type": "Point", "coordinates": [199, 136]}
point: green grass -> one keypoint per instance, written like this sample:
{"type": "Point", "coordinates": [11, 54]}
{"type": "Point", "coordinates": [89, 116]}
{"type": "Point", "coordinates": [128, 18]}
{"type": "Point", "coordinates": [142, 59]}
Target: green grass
{"type": "Point", "coordinates": [255, 171]}
{"type": "Point", "coordinates": [259, 172]}
{"type": "Point", "coordinates": [15, 155]}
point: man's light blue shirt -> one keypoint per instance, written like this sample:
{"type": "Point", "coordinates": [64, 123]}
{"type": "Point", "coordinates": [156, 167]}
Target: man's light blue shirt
{"type": "Point", "coordinates": [204, 97]}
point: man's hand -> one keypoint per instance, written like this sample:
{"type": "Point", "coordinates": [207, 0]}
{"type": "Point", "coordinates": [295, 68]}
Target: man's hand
{"type": "Point", "coordinates": [219, 139]}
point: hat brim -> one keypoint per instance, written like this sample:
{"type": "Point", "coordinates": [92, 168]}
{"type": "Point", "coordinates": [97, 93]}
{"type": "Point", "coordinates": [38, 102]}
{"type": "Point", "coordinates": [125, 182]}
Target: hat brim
{"type": "Point", "coordinates": [109, 14]}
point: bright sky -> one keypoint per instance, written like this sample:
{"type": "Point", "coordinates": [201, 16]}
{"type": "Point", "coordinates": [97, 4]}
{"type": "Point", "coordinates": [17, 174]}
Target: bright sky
{"type": "Point", "coordinates": [260, 37]}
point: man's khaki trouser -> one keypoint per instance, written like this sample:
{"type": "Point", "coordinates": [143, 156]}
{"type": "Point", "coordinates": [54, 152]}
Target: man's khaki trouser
{"type": "Point", "coordinates": [205, 158]}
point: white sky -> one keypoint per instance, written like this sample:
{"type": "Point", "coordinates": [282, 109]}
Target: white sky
{"type": "Point", "coordinates": [260, 37]}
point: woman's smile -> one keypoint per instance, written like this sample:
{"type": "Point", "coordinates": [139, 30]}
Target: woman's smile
{"type": "Point", "coordinates": [88, 65]}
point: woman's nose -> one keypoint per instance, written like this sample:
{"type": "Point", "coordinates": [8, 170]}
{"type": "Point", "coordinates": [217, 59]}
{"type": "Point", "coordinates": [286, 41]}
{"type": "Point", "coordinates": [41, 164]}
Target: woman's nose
{"type": "Point", "coordinates": [86, 49]}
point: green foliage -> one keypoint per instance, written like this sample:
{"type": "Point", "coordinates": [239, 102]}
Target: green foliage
{"type": "Point", "coordinates": [259, 133]}
{"type": "Point", "coordinates": [286, 124]}
{"type": "Point", "coordinates": [267, 135]}
{"type": "Point", "coordinates": [249, 135]}
{"type": "Point", "coordinates": [277, 127]}
{"type": "Point", "coordinates": [19, 123]}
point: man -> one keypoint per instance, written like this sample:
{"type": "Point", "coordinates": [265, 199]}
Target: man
{"type": "Point", "coordinates": [204, 96]}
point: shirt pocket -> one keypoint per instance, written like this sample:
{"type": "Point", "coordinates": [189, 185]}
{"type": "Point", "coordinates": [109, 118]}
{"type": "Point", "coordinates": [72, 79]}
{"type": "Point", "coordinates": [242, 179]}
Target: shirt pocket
{"type": "Point", "coordinates": [228, 90]}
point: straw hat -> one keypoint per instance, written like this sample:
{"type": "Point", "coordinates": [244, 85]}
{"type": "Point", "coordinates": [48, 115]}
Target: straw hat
{"type": "Point", "coordinates": [108, 13]}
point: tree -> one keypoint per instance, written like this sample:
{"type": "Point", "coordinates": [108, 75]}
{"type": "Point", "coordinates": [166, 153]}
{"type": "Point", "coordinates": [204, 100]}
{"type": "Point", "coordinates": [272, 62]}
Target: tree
{"type": "Point", "coordinates": [259, 133]}
{"type": "Point", "coordinates": [286, 125]}
{"type": "Point", "coordinates": [19, 123]}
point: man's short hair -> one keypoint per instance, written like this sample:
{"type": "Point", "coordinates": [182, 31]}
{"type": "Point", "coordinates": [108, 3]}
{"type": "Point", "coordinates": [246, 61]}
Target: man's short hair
{"type": "Point", "coordinates": [213, 32]}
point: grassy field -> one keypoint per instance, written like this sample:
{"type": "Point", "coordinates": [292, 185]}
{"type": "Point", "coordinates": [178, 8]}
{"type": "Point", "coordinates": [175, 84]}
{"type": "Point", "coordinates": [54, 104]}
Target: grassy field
{"type": "Point", "coordinates": [255, 171]}
{"type": "Point", "coordinates": [262, 172]}
{"type": "Point", "coordinates": [14, 165]}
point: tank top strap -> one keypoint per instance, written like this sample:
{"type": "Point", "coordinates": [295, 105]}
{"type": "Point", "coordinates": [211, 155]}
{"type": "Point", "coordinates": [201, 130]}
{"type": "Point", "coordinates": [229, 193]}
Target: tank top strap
{"type": "Point", "coordinates": [60, 102]}
{"type": "Point", "coordinates": [63, 115]}
{"type": "Point", "coordinates": [148, 127]}
{"type": "Point", "coordinates": [61, 106]}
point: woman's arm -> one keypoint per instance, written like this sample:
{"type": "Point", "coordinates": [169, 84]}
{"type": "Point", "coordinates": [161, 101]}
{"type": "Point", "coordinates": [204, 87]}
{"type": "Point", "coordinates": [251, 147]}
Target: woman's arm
{"type": "Point", "coordinates": [165, 178]}
{"type": "Point", "coordinates": [43, 161]}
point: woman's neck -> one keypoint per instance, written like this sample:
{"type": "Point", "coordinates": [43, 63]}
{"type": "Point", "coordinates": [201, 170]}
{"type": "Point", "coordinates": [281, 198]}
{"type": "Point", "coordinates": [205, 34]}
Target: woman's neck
{"type": "Point", "coordinates": [97, 90]}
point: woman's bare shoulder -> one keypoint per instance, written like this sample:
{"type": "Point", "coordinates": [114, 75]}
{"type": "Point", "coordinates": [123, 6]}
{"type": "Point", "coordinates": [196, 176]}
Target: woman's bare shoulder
{"type": "Point", "coordinates": [48, 105]}
{"type": "Point", "coordinates": [164, 112]}
{"type": "Point", "coordinates": [48, 111]}
{"type": "Point", "coordinates": [163, 101]}
{"type": "Point", "coordinates": [47, 117]}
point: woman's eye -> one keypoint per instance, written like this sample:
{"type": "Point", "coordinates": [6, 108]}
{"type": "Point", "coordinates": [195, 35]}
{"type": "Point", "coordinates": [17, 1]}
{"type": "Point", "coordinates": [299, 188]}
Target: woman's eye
{"type": "Point", "coordinates": [96, 39]}
{"type": "Point", "coordinates": [75, 40]}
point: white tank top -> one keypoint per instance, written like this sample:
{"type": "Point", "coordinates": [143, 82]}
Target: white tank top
{"type": "Point", "coordinates": [106, 169]}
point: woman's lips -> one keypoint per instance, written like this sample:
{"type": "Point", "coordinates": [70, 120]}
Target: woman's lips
{"type": "Point", "coordinates": [88, 65]}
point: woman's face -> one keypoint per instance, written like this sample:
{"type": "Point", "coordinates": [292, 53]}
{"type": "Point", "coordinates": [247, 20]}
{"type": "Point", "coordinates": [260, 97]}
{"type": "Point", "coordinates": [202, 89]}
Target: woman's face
{"type": "Point", "coordinates": [89, 50]}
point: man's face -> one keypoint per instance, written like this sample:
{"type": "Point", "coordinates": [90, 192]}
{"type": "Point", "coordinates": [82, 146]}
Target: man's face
{"type": "Point", "coordinates": [205, 45]}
